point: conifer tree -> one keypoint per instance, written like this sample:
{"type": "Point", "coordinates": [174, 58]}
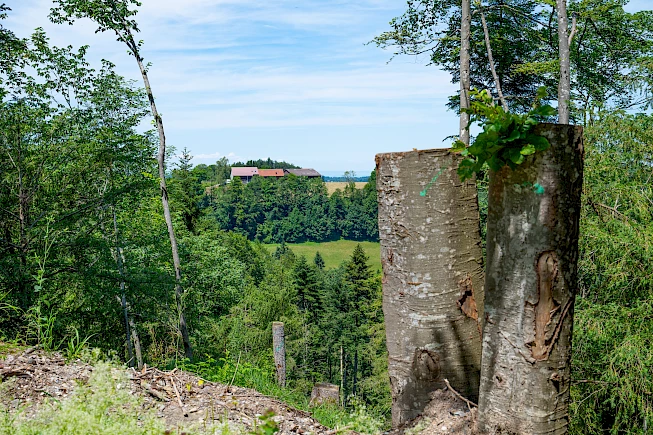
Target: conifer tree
{"type": "Point", "coordinates": [318, 260]}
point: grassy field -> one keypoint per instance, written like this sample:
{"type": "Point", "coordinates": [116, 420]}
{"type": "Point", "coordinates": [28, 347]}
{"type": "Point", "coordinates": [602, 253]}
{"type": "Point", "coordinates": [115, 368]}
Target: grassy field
{"type": "Point", "coordinates": [335, 253]}
{"type": "Point", "coordinates": [333, 185]}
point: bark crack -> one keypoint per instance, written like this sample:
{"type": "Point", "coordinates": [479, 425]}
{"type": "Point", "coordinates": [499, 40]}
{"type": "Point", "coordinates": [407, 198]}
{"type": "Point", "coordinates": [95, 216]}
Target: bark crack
{"type": "Point", "coordinates": [547, 315]}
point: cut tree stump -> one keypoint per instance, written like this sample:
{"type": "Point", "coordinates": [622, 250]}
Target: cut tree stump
{"type": "Point", "coordinates": [531, 283]}
{"type": "Point", "coordinates": [323, 393]}
{"type": "Point", "coordinates": [432, 277]}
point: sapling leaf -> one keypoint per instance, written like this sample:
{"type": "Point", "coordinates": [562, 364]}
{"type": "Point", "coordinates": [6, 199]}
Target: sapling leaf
{"type": "Point", "coordinates": [517, 156]}
{"type": "Point", "coordinates": [527, 150]}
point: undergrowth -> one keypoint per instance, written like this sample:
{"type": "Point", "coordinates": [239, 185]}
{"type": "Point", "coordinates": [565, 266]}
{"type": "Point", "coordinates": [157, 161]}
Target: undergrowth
{"type": "Point", "coordinates": [103, 406]}
{"type": "Point", "coordinates": [226, 371]}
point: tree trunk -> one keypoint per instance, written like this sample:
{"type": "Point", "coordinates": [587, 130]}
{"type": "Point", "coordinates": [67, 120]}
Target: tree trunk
{"type": "Point", "coordinates": [137, 342]}
{"type": "Point", "coordinates": [564, 86]}
{"type": "Point", "coordinates": [465, 32]}
{"type": "Point", "coordinates": [120, 261]}
{"type": "Point", "coordinates": [531, 283]}
{"type": "Point", "coordinates": [355, 377]}
{"type": "Point", "coordinates": [342, 377]}
{"type": "Point", "coordinates": [128, 38]}
{"type": "Point", "coordinates": [279, 347]}
{"type": "Point", "coordinates": [490, 58]}
{"type": "Point", "coordinates": [432, 277]}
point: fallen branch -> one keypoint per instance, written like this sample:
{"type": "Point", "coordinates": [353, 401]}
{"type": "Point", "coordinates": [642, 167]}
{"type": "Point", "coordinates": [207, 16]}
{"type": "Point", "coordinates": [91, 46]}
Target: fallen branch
{"type": "Point", "coordinates": [457, 394]}
{"type": "Point", "coordinates": [181, 405]}
{"type": "Point", "coordinates": [154, 393]}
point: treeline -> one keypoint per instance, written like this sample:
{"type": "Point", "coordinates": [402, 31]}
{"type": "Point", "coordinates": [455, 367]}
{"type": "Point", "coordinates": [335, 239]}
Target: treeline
{"type": "Point", "coordinates": [295, 209]}
{"type": "Point", "coordinates": [85, 257]}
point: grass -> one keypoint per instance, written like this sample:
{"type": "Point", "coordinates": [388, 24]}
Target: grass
{"type": "Point", "coordinates": [333, 185]}
{"type": "Point", "coordinates": [336, 252]}
{"type": "Point", "coordinates": [225, 370]}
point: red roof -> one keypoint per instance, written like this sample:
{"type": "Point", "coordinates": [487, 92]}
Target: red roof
{"type": "Point", "coordinates": [270, 172]}
{"type": "Point", "coordinates": [244, 172]}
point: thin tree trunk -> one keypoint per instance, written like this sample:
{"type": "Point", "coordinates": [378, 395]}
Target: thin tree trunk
{"type": "Point", "coordinates": [355, 378]}
{"type": "Point", "coordinates": [432, 277]}
{"type": "Point", "coordinates": [465, 32]}
{"type": "Point", "coordinates": [137, 342]}
{"type": "Point", "coordinates": [342, 377]}
{"type": "Point", "coordinates": [128, 39]}
{"type": "Point", "coordinates": [123, 298]}
{"type": "Point", "coordinates": [564, 86]}
{"type": "Point", "coordinates": [183, 328]}
{"type": "Point", "coordinates": [490, 59]}
{"type": "Point", "coordinates": [531, 283]}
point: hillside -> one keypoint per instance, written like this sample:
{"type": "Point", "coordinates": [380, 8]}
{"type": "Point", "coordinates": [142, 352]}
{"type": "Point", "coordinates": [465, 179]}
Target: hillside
{"type": "Point", "coordinates": [41, 393]}
{"type": "Point", "coordinates": [34, 384]}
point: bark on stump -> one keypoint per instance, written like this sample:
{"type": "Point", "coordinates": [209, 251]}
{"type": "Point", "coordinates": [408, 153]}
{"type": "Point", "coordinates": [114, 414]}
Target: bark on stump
{"type": "Point", "coordinates": [531, 282]}
{"type": "Point", "coordinates": [279, 348]}
{"type": "Point", "coordinates": [323, 393]}
{"type": "Point", "coordinates": [432, 277]}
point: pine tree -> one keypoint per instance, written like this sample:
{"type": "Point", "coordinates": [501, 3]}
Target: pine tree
{"type": "Point", "coordinates": [318, 261]}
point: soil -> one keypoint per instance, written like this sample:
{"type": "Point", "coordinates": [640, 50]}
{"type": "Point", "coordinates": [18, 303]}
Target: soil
{"type": "Point", "coordinates": [446, 413]}
{"type": "Point", "coordinates": [181, 398]}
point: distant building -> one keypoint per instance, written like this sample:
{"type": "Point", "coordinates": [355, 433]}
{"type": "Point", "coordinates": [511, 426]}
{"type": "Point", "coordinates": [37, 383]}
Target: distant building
{"type": "Point", "coordinates": [247, 173]}
{"type": "Point", "coordinates": [271, 173]}
{"type": "Point", "coordinates": [304, 172]}
{"type": "Point", "coordinates": [244, 173]}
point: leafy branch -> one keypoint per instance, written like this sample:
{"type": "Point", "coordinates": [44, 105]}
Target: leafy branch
{"type": "Point", "coordinates": [507, 138]}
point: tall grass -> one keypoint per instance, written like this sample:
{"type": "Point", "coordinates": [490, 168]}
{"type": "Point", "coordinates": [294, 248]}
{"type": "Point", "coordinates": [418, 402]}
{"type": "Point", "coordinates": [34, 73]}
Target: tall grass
{"type": "Point", "coordinates": [226, 371]}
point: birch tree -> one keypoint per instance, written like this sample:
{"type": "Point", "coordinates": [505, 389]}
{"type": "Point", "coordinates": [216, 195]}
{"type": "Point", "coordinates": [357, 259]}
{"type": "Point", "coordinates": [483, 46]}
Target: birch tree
{"type": "Point", "coordinates": [116, 16]}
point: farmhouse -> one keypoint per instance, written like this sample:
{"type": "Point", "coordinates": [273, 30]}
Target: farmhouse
{"type": "Point", "coordinates": [245, 173]}
{"type": "Point", "coordinates": [273, 173]}
{"type": "Point", "coordinates": [304, 172]}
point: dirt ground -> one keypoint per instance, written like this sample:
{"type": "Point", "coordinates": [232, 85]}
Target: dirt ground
{"type": "Point", "coordinates": [183, 399]}
{"type": "Point", "coordinates": [180, 398]}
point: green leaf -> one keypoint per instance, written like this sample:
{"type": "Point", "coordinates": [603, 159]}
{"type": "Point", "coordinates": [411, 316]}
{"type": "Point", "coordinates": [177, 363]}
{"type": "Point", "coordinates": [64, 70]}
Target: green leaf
{"type": "Point", "coordinates": [539, 142]}
{"type": "Point", "coordinates": [513, 136]}
{"type": "Point", "coordinates": [516, 155]}
{"type": "Point", "coordinates": [544, 111]}
{"type": "Point", "coordinates": [495, 162]}
{"type": "Point", "coordinates": [458, 146]}
{"type": "Point", "coordinates": [527, 150]}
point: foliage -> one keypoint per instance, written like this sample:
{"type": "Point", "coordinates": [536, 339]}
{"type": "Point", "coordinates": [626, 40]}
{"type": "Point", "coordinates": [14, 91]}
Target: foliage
{"type": "Point", "coordinates": [295, 209]}
{"type": "Point", "coordinates": [507, 138]}
{"type": "Point", "coordinates": [612, 358]}
{"type": "Point", "coordinates": [266, 164]}
{"type": "Point", "coordinates": [610, 54]}
{"type": "Point", "coordinates": [104, 406]}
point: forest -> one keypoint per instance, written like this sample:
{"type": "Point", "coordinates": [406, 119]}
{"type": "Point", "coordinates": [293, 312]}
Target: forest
{"type": "Point", "coordinates": [88, 238]}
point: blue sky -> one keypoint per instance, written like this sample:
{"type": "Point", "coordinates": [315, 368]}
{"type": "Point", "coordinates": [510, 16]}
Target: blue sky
{"type": "Point", "coordinates": [290, 80]}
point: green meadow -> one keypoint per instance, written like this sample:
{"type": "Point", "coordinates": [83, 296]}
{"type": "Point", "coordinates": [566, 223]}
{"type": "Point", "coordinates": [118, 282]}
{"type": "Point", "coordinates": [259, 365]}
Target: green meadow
{"type": "Point", "coordinates": [336, 252]}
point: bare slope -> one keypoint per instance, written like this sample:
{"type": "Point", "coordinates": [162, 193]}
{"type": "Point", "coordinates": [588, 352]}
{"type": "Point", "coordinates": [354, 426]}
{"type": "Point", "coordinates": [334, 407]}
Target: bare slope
{"type": "Point", "coordinates": [32, 381]}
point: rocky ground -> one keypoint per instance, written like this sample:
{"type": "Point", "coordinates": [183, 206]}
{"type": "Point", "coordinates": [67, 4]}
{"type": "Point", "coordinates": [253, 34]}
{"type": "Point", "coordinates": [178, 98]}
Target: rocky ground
{"type": "Point", "coordinates": [182, 399]}
{"type": "Point", "coordinates": [31, 378]}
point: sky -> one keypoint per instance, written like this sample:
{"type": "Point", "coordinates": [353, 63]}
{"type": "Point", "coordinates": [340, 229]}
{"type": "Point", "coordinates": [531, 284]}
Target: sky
{"type": "Point", "coordinates": [289, 80]}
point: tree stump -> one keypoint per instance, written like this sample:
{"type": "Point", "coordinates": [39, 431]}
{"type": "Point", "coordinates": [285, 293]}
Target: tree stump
{"type": "Point", "coordinates": [531, 282]}
{"type": "Point", "coordinates": [323, 393]}
{"type": "Point", "coordinates": [432, 277]}
{"type": "Point", "coordinates": [279, 348]}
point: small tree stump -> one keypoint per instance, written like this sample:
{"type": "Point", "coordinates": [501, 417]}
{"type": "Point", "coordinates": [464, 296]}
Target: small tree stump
{"type": "Point", "coordinates": [324, 393]}
{"type": "Point", "coordinates": [279, 348]}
